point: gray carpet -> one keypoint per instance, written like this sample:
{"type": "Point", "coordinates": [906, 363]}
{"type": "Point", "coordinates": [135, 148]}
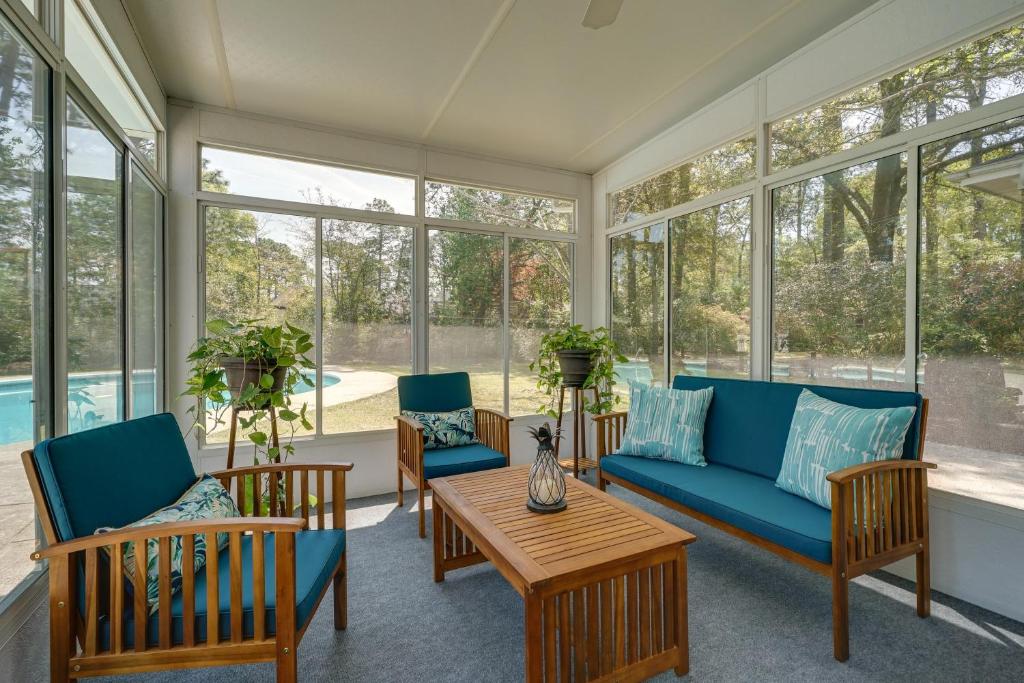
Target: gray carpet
{"type": "Point", "coordinates": [753, 617]}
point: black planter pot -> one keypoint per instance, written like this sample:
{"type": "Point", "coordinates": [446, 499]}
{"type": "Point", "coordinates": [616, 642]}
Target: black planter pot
{"type": "Point", "coordinates": [576, 366]}
{"type": "Point", "coordinates": [240, 373]}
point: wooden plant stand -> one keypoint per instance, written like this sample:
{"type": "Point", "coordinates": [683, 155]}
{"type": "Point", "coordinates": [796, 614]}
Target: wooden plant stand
{"type": "Point", "coordinates": [234, 433]}
{"type": "Point", "coordinates": [579, 461]}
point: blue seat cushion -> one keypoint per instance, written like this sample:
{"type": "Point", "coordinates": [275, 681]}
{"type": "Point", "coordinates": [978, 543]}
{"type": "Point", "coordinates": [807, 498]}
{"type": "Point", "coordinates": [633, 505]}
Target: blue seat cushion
{"type": "Point", "coordinates": [317, 554]}
{"type": "Point", "coordinates": [114, 475]}
{"type": "Point", "coordinates": [744, 500]}
{"type": "Point", "coordinates": [445, 462]}
{"type": "Point", "coordinates": [440, 393]}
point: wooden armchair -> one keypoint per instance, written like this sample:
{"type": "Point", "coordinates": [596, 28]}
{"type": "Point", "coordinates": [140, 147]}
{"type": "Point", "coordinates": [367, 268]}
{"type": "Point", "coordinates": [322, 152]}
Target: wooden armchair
{"type": "Point", "coordinates": [436, 394]}
{"type": "Point", "coordinates": [266, 584]}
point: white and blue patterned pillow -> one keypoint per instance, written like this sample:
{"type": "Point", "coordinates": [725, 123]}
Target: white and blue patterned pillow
{"type": "Point", "coordinates": [666, 424]}
{"type": "Point", "coordinates": [206, 499]}
{"type": "Point", "coordinates": [826, 437]}
{"type": "Point", "coordinates": [444, 430]}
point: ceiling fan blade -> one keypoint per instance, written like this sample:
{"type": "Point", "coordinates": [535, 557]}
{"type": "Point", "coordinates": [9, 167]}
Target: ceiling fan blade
{"type": "Point", "coordinates": [601, 13]}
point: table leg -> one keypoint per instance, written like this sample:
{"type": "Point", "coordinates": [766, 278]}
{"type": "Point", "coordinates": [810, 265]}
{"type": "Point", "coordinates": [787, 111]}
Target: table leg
{"type": "Point", "coordinates": [682, 619]}
{"type": "Point", "coordinates": [438, 540]}
{"type": "Point", "coordinates": [533, 642]}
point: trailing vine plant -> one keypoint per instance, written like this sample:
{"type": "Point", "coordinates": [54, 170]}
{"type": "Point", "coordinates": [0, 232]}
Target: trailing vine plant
{"type": "Point", "coordinates": [605, 354]}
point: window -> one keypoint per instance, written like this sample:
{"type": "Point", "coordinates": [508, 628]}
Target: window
{"type": "Point", "coordinates": [146, 293]}
{"type": "Point", "coordinates": [638, 305]}
{"type": "Point", "coordinates": [24, 289]}
{"type": "Point", "coordinates": [839, 269]}
{"type": "Point", "coordinates": [498, 207]}
{"type": "Point", "coordinates": [270, 177]}
{"type": "Point", "coordinates": [966, 78]}
{"type": "Point", "coordinates": [90, 58]}
{"type": "Point", "coordinates": [540, 301]}
{"type": "Point", "coordinates": [719, 169]}
{"type": "Point", "coordinates": [466, 312]}
{"type": "Point", "coordinates": [710, 290]}
{"type": "Point", "coordinates": [261, 265]}
{"type": "Point", "coordinates": [95, 330]}
{"type": "Point", "coordinates": [367, 322]}
{"type": "Point", "coordinates": [971, 310]}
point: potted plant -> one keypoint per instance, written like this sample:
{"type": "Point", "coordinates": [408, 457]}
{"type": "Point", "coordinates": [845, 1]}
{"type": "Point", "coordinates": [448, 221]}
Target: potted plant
{"type": "Point", "coordinates": [575, 357]}
{"type": "Point", "coordinates": [252, 367]}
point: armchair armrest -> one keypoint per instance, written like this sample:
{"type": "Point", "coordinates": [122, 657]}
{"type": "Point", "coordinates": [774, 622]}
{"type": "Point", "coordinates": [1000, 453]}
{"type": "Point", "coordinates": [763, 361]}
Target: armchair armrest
{"type": "Point", "coordinates": [249, 483]}
{"type": "Point", "coordinates": [410, 445]}
{"type": "Point", "coordinates": [879, 514]}
{"type": "Point", "coordinates": [610, 428]}
{"type": "Point", "coordinates": [492, 429]}
{"type": "Point", "coordinates": [105, 585]}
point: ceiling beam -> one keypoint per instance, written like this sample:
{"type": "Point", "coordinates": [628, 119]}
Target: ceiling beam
{"type": "Point", "coordinates": [683, 81]}
{"type": "Point", "coordinates": [474, 57]}
{"type": "Point", "coordinates": [217, 38]}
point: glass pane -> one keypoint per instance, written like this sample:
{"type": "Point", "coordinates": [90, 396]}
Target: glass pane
{"type": "Point", "coordinates": [717, 170]}
{"type": "Point", "coordinates": [94, 276]}
{"type": "Point", "coordinates": [465, 311]}
{"type": "Point", "coordinates": [638, 305]}
{"type": "Point", "coordinates": [539, 301]}
{"type": "Point", "coordinates": [971, 311]}
{"type": "Point", "coordinates": [973, 75]}
{"type": "Point", "coordinates": [261, 266]}
{"type": "Point", "coordinates": [367, 322]}
{"type": "Point", "coordinates": [839, 297]}
{"type": "Point", "coordinates": [147, 234]}
{"type": "Point", "coordinates": [24, 277]}
{"type": "Point", "coordinates": [91, 59]}
{"type": "Point", "coordinates": [260, 175]}
{"type": "Point", "coordinates": [481, 205]}
{"type": "Point", "coordinates": [710, 285]}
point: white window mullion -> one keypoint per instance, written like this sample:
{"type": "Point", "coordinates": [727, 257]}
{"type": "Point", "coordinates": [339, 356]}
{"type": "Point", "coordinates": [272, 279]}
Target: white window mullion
{"type": "Point", "coordinates": [318, 326]}
{"type": "Point", "coordinates": [912, 250]}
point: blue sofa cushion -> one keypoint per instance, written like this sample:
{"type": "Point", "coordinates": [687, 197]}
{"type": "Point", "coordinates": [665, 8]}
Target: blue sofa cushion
{"type": "Point", "coordinates": [446, 462]}
{"type": "Point", "coordinates": [748, 421]}
{"type": "Point", "coordinates": [317, 554]}
{"type": "Point", "coordinates": [744, 500]}
{"type": "Point", "coordinates": [114, 475]}
{"type": "Point", "coordinates": [438, 393]}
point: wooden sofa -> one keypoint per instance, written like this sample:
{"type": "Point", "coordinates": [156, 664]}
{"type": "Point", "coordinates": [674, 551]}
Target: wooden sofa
{"type": "Point", "coordinates": [267, 583]}
{"type": "Point", "coordinates": [744, 441]}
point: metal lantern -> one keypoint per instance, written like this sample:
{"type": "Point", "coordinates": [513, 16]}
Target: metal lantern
{"type": "Point", "coordinates": [546, 483]}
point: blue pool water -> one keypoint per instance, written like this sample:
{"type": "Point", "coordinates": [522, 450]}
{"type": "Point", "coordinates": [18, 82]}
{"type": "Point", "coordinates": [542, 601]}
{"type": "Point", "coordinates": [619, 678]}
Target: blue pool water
{"type": "Point", "coordinates": [94, 399]}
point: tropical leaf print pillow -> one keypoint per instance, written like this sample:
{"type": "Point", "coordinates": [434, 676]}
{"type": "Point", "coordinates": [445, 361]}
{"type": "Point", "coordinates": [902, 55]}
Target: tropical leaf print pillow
{"type": "Point", "coordinates": [206, 499]}
{"type": "Point", "coordinates": [444, 430]}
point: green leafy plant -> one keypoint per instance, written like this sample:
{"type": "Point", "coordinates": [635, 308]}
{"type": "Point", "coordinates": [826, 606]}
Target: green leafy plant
{"type": "Point", "coordinates": [278, 352]}
{"type": "Point", "coordinates": [604, 355]}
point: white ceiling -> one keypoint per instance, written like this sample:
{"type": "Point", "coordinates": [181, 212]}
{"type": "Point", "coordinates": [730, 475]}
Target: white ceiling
{"type": "Point", "coordinates": [519, 79]}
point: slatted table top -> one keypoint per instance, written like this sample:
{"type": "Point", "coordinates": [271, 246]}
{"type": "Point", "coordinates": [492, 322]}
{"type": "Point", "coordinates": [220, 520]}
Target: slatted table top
{"type": "Point", "coordinates": [595, 531]}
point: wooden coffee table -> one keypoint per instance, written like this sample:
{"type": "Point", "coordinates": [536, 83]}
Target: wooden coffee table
{"type": "Point", "coordinates": [604, 582]}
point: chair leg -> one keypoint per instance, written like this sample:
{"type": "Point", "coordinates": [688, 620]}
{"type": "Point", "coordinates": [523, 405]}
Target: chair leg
{"type": "Point", "coordinates": [840, 615]}
{"type": "Point", "coordinates": [401, 488]}
{"type": "Point", "coordinates": [924, 582]}
{"type": "Point", "coordinates": [341, 595]}
{"type": "Point", "coordinates": [287, 665]}
{"type": "Point", "coordinates": [62, 639]}
{"type": "Point", "coordinates": [423, 515]}
{"type": "Point", "coordinates": [600, 481]}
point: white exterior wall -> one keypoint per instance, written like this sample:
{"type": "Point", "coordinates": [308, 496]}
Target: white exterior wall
{"type": "Point", "coordinates": [373, 453]}
{"type": "Point", "coordinates": [977, 547]}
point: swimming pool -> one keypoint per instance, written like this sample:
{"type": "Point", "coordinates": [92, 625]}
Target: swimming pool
{"type": "Point", "coordinates": [94, 399]}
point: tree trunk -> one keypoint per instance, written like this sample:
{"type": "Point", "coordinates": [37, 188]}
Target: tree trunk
{"type": "Point", "coordinates": [833, 226]}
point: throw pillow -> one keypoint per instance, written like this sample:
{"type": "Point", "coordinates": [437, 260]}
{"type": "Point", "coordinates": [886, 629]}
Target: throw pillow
{"type": "Point", "coordinates": [826, 437]}
{"type": "Point", "coordinates": [666, 424]}
{"type": "Point", "coordinates": [444, 430]}
{"type": "Point", "coordinates": [206, 499]}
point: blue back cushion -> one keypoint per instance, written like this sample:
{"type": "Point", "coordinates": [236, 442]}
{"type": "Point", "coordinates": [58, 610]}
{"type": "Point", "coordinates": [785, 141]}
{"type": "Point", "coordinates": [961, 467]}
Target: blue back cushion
{"type": "Point", "coordinates": [748, 421]}
{"type": "Point", "coordinates": [441, 393]}
{"type": "Point", "coordinates": [114, 475]}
